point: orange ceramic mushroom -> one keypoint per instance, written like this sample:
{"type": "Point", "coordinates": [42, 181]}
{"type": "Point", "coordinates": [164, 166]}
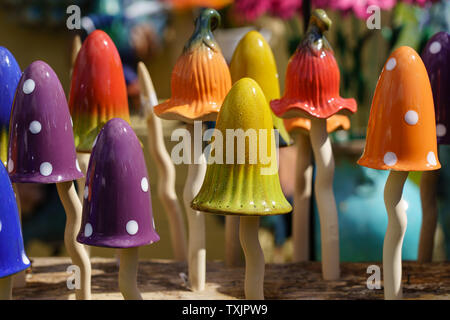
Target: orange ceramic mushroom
{"type": "Point", "coordinates": [201, 78]}
{"type": "Point", "coordinates": [401, 137]}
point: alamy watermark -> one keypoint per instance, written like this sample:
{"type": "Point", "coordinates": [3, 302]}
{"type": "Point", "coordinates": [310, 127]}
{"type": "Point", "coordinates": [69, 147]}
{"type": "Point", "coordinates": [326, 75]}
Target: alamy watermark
{"type": "Point", "coordinates": [374, 20]}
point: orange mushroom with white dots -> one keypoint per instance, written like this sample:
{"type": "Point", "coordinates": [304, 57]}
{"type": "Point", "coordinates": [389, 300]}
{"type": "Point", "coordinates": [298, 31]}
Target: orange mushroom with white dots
{"type": "Point", "coordinates": [401, 137]}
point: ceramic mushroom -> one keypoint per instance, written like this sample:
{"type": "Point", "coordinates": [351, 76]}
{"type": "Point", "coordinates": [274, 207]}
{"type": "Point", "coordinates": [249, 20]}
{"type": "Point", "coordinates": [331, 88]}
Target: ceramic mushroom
{"type": "Point", "coordinates": [166, 168]}
{"type": "Point", "coordinates": [436, 57]}
{"type": "Point", "coordinates": [97, 93]}
{"type": "Point", "coordinates": [249, 188]}
{"type": "Point", "coordinates": [42, 150]}
{"type": "Point", "coordinates": [312, 91]}
{"type": "Point", "coordinates": [200, 81]}
{"type": "Point", "coordinates": [401, 137]}
{"type": "Point", "coordinates": [12, 253]}
{"type": "Point", "coordinates": [299, 128]}
{"type": "Point", "coordinates": [117, 210]}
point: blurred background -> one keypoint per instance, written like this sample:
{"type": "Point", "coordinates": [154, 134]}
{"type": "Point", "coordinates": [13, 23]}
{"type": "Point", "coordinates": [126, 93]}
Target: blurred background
{"type": "Point", "coordinates": [156, 31]}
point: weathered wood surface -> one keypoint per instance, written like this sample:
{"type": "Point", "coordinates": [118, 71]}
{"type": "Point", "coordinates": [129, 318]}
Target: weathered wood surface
{"type": "Point", "coordinates": [160, 279]}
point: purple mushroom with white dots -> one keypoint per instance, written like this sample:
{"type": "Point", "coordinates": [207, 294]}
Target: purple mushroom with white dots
{"type": "Point", "coordinates": [42, 150]}
{"type": "Point", "coordinates": [117, 209]}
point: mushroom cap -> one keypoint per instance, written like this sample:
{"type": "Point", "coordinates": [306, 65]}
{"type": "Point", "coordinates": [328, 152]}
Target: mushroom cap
{"type": "Point", "coordinates": [12, 253]}
{"type": "Point", "coordinates": [254, 58]}
{"type": "Point", "coordinates": [117, 209]}
{"type": "Point", "coordinates": [186, 4]}
{"type": "Point", "coordinates": [9, 78]}
{"type": "Point", "coordinates": [303, 125]}
{"type": "Point", "coordinates": [401, 133]}
{"type": "Point", "coordinates": [312, 78]}
{"type": "Point", "coordinates": [98, 91]}
{"type": "Point", "coordinates": [200, 78]}
{"type": "Point", "coordinates": [41, 146]}
{"type": "Point", "coordinates": [436, 57]}
{"type": "Point", "coordinates": [244, 188]}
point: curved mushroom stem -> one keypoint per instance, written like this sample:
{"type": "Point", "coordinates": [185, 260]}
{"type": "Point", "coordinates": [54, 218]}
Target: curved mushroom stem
{"type": "Point", "coordinates": [83, 162]}
{"type": "Point", "coordinates": [302, 199]}
{"type": "Point", "coordinates": [6, 288]}
{"type": "Point", "coordinates": [77, 253]}
{"type": "Point", "coordinates": [19, 279]}
{"type": "Point", "coordinates": [196, 219]}
{"type": "Point", "coordinates": [393, 240]}
{"type": "Point", "coordinates": [326, 205]}
{"type": "Point", "coordinates": [428, 191]}
{"type": "Point", "coordinates": [129, 261]}
{"type": "Point", "coordinates": [254, 258]}
{"type": "Point", "coordinates": [166, 168]}
{"type": "Point", "coordinates": [76, 46]}
{"type": "Point", "coordinates": [233, 252]}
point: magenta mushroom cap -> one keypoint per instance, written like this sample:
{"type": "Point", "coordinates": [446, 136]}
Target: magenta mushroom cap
{"type": "Point", "coordinates": [117, 209]}
{"type": "Point", "coordinates": [41, 143]}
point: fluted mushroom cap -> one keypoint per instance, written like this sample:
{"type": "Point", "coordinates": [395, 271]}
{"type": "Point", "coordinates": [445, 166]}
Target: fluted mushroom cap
{"type": "Point", "coordinates": [41, 145]}
{"type": "Point", "coordinates": [401, 133]}
{"type": "Point", "coordinates": [9, 78]}
{"type": "Point", "coordinates": [436, 57]}
{"type": "Point", "coordinates": [245, 186]}
{"type": "Point", "coordinates": [117, 209]}
{"type": "Point", "coordinates": [312, 78]}
{"type": "Point", "coordinates": [201, 78]}
{"type": "Point", "coordinates": [253, 58]}
{"type": "Point", "coordinates": [12, 253]}
{"type": "Point", "coordinates": [98, 91]}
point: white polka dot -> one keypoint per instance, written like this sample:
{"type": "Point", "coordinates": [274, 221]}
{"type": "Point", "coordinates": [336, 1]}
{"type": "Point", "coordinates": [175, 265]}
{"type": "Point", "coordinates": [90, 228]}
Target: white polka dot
{"type": "Point", "coordinates": [35, 127]}
{"type": "Point", "coordinates": [390, 159]}
{"type": "Point", "coordinates": [411, 117]}
{"type": "Point", "coordinates": [25, 259]}
{"type": "Point", "coordinates": [431, 158]}
{"type": "Point", "coordinates": [132, 227]}
{"type": "Point", "coordinates": [28, 86]}
{"type": "Point", "coordinates": [391, 64]}
{"type": "Point", "coordinates": [88, 230]}
{"type": "Point", "coordinates": [86, 192]}
{"type": "Point", "coordinates": [144, 184]}
{"type": "Point", "coordinates": [0, 226]}
{"type": "Point", "coordinates": [46, 169]}
{"type": "Point", "coordinates": [441, 130]}
{"type": "Point", "coordinates": [77, 165]}
{"type": "Point", "coordinates": [435, 47]}
{"type": "Point", "coordinates": [10, 165]}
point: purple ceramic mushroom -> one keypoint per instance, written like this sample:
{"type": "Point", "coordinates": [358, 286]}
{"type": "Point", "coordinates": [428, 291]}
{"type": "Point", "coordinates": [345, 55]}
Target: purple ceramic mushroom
{"type": "Point", "coordinates": [42, 150]}
{"type": "Point", "coordinates": [117, 210]}
{"type": "Point", "coordinates": [436, 57]}
{"type": "Point", "coordinates": [41, 147]}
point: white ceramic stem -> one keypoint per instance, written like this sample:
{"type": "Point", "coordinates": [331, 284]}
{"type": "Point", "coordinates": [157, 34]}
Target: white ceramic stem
{"type": "Point", "coordinates": [326, 205]}
{"type": "Point", "coordinates": [166, 168]}
{"type": "Point", "coordinates": [19, 279]}
{"type": "Point", "coordinates": [233, 251]}
{"type": "Point", "coordinates": [428, 196]}
{"type": "Point", "coordinates": [77, 253]}
{"type": "Point", "coordinates": [254, 258]}
{"type": "Point", "coordinates": [128, 269]}
{"type": "Point", "coordinates": [6, 284]}
{"type": "Point", "coordinates": [196, 219]}
{"type": "Point", "coordinates": [83, 162]}
{"type": "Point", "coordinates": [302, 199]}
{"type": "Point", "coordinates": [393, 240]}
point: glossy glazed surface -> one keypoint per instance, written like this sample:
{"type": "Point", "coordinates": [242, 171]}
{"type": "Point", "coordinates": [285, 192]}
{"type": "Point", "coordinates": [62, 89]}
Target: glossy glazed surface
{"type": "Point", "coordinates": [117, 209]}
{"type": "Point", "coordinates": [200, 79]}
{"type": "Point", "coordinates": [9, 78]}
{"type": "Point", "coordinates": [98, 91]}
{"type": "Point", "coordinates": [244, 189]}
{"type": "Point", "coordinates": [41, 146]}
{"type": "Point", "coordinates": [334, 123]}
{"type": "Point", "coordinates": [12, 254]}
{"type": "Point", "coordinates": [312, 78]}
{"type": "Point", "coordinates": [401, 133]}
{"type": "Point", "coordinates": [436, 57]}
{"type": "Point", "coordinates": [253, 58]}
